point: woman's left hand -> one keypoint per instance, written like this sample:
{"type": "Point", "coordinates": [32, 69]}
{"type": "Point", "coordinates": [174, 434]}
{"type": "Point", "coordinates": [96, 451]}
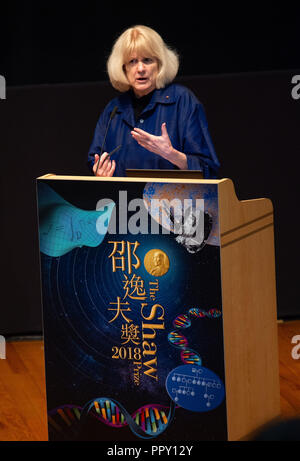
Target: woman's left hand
{"type": "Point", "coordinates": [160, 145]}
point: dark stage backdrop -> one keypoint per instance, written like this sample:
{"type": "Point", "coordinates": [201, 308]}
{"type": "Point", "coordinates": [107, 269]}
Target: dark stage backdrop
{"type": "Point", "coordinates": [52, 42]}
{"type": "Point", "coordinates": [254, 122]}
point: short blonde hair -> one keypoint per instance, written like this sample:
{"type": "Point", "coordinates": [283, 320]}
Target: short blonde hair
{"type": "Point", "coordinates": [145, 41]}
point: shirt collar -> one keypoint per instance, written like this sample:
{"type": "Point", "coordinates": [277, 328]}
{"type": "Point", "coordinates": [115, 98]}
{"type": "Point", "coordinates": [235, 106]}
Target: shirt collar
{"type": "Point", "coordinates": [163, 95]}
{"type": "Point", "coordinates": [160, 96]}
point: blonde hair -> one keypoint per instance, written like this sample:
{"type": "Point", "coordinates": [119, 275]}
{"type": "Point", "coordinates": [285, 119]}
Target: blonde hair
{"type": "Point", "coordinates": [145, 41]}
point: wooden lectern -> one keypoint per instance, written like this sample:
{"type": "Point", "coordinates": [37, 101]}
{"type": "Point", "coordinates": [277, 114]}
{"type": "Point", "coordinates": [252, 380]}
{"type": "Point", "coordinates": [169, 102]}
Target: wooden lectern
{"type": "Point", "coordinates": [134, 352]}
{"type": "Point", "coordinates": [249, 311]}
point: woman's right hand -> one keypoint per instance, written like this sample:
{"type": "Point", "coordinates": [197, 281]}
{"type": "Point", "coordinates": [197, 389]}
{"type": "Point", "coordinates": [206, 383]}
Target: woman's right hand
{"type": "Point", "coordinates": [106, 166]}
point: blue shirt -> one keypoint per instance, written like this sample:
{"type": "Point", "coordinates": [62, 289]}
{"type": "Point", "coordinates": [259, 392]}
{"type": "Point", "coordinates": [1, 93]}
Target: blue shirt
{"type": "Point", "coordinates": [186, 125]}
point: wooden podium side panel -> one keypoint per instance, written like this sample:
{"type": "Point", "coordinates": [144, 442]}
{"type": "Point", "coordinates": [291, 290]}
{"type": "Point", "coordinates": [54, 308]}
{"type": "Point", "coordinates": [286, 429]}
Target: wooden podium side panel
{"type": "Point", "coordinates": [249, 313]}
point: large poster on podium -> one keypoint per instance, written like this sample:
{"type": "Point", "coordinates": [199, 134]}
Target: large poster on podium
{"type": "Point", "coordinates": [132, 310]}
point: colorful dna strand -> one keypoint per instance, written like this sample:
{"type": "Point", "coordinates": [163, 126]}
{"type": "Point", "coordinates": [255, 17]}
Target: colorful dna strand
{"type": "Point", "coordinates": [178, 340]}
{"type": "Point", "coordinates": [64, 422]}
{"type": "Point", "coordinates": [147, 422]}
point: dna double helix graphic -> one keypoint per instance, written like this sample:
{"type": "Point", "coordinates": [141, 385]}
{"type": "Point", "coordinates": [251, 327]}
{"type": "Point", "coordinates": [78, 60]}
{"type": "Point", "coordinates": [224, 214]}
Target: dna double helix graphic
{"type": "Point", "coordinates": [178, 340]}
{"type": "Point", "coordinates": [192, 386]}
{"type": "Point", "coordinates": [64, 422]}
{"type": "Point", "coordinates": [147, 422]}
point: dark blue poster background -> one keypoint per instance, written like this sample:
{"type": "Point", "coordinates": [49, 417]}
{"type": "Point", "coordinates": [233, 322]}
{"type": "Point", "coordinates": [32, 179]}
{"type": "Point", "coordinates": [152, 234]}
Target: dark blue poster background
{"type": "Point", "coordinates": [129, 355]}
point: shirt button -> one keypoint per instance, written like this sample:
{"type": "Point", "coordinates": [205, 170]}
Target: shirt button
{"type": "Point", "coordinates": [141, 120]}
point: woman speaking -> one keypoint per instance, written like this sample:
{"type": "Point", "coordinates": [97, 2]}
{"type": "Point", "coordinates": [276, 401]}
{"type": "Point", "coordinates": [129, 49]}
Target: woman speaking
{"type": "Point", "coordinates": [153, 123]}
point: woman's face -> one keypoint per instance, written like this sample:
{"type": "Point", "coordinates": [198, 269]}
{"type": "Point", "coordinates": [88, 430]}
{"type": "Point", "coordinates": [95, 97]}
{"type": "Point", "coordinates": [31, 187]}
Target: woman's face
{"type": "Point", "coordinates": [141, 72]}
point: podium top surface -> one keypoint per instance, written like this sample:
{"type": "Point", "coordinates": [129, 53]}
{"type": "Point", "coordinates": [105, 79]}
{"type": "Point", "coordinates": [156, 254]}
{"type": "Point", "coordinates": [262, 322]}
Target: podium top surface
{"type": "Point", "coordinates": [131, 179]}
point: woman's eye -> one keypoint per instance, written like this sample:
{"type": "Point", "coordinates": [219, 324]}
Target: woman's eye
{"type": "Point", "coordinates": [146, 61]}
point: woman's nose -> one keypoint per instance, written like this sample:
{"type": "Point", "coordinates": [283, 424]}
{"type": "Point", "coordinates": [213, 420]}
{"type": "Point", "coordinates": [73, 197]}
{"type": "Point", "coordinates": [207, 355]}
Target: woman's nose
{"type": "Point", "coordinates": [140, 66]}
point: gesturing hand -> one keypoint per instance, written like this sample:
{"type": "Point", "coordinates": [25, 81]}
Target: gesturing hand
{"type": "Point", "coordinates": [106, 166]}
{"type": "Point", "coordinates": [160, 145]}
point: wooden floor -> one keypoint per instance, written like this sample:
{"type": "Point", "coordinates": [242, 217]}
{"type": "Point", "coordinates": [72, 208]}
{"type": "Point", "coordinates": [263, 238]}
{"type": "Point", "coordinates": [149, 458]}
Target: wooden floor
{"type": "Point", "coordinates": [22, 386]}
